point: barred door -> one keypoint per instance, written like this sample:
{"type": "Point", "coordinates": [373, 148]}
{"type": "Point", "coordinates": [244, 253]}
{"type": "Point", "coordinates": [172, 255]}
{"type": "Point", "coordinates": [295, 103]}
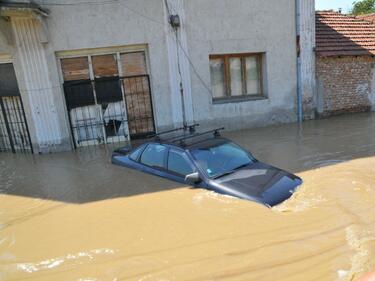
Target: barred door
{"type": "Point", "coordinates": [96, 119]}
{"type": "Point", "coordinates": [14, 132]}
{"type": "Point", "coordinates": [139, 106]}
{"type": "Point", "coordinates": [108, 97]}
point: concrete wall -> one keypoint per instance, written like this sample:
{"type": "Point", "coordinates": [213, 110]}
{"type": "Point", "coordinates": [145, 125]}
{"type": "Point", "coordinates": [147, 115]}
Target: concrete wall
{"type": "Point", "coordinates": [81, 28]}
{"type": "Point", "coordinates": [5, 37]}
{"type": "Point", "coordinates": [307, 55]}
{"type": "Point", "coordinates": [133, 22]}
{"type": "Point", "coordinates": [208, 27]}
{"type": "Point", "coordinates": [345, 84]}
{"type": "Point", "coordinates": [241, 26]}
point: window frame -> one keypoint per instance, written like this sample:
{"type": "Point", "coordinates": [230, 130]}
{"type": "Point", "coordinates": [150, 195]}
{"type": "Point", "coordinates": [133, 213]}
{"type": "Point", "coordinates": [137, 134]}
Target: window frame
{"type": "Point", "coordinates": [227, 77]}
{"type": "Point", "coordinates": [187, 159]}
{"type": "Point", "coordinates": [164, 168]}
{"type": "Point", "coordinates": [89, 54]}
{"type": "Point", "coordinates": [205, 173]}
{"type": "Point", "coordinates": [141, 149]}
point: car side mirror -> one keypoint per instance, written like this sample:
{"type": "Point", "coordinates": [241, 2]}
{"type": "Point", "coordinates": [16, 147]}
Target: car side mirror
{"type": "Point", "coordinates": [193, 179]}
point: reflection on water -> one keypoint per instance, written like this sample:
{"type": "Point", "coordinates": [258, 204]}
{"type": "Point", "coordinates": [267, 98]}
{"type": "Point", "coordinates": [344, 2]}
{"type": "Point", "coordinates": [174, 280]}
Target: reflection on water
{"type": "Point", "coordinates": [74, 216]}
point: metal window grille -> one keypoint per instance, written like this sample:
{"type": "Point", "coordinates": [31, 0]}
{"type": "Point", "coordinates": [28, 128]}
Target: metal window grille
{"type": "Point", "coordinates": [108, 110]}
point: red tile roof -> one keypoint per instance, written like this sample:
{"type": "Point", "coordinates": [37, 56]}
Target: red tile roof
{"type": "Point", "coordinates": [368, 17]}
{"type": "Point", "coordinates": [342, 35]}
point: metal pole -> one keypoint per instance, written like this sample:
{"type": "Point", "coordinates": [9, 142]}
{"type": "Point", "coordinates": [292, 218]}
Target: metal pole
{"type": "Point", "coordinates": [181, 80]}
{"type": "Point", "coordinates": [298, 33]}
{"type": "Point", "coordinates": [2, 107]}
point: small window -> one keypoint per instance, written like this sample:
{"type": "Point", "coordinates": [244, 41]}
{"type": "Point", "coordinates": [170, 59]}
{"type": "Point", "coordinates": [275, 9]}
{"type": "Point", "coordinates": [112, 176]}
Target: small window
{"type": "Point", "coordinates": [179, 164]}
{"type": "Point", "coordinates": [236, 76]}
{"type": "Point", "coordinates": [136, 153]}
{"type": "Point", "coordinates": [154, 155]}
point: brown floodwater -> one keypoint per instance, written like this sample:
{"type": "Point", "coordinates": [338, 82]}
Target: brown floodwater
{"type": "Point", "coordinates": [74, 216]}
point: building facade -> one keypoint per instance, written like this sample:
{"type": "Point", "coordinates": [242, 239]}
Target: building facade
{"type": "Point", "coordinates": [86, 73]}
{"type": "Point", "coordinates": [345, 64]}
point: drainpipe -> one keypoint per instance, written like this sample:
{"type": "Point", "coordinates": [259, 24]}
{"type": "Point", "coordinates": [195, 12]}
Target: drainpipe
{"type": "Point", "coordinates": [298, 33]}
{"type": "Point", "coordinates": [175, 22]}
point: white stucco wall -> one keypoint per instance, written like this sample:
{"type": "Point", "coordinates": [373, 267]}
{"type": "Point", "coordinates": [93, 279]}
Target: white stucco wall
{"type": "Point", "coordinates": [120, 24]}
{"type": "Point", "coordinates": [5, 48]}
{"type": "Point", "coordinates": [242, 26]}
{"type": "Point", "coordinates": [208, 27]}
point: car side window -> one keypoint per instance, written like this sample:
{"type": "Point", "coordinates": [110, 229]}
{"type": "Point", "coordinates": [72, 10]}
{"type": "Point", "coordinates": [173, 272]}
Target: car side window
{"type": "Point", "coordinates": [136, 153]}
{"type": "Point", "coordinates": [154, 155]}
{"type": "Point", "coordinates": [178, 163]}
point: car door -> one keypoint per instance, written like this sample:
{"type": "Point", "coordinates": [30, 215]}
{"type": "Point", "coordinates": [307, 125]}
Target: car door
{"type": "Point", "coordinates": [179, 165]}
{"type": "Point", "coordinates": [153, 159]}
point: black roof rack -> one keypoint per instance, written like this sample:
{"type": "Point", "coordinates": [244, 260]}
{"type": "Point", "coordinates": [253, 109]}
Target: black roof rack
{"type": "Point", "coordinates": [215, 132]}
{"type": "Point", "coordinates": [191, 129]}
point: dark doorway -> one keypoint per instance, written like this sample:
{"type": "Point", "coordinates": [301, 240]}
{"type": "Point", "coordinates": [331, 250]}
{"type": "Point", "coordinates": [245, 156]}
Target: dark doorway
{"type": "Point", "coordinates": [14, 132]}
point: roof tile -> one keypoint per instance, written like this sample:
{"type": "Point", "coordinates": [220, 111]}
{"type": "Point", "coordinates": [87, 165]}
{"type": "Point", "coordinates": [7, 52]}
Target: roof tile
{"type": "Point", "coordinates": [342, 35]}
{"type": "Point", "coordinates": [368, 17]}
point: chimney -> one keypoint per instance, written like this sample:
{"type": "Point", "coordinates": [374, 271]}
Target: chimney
{"type": "Point", "coordinates": [340, 10]}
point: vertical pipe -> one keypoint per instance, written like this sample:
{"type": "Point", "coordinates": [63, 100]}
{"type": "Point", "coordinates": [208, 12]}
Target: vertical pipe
{"type": "Point", "coordinates": [298, 33]}
{"type": "Point", "coordinates": [181, 80]}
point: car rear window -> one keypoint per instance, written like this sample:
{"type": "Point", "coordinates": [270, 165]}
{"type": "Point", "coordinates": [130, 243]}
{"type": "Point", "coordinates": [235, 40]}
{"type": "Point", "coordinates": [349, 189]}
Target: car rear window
{"type": "Point", "coordinates": [154, 155]}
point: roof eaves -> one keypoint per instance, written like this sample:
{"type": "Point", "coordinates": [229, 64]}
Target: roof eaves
{"type": "Point", "coordinates": [343, 35]}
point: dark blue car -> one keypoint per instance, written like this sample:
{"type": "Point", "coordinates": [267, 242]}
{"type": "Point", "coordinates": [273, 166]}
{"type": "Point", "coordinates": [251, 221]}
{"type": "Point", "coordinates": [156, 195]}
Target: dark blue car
{"type": "Point", "coordinates": [209, 161]}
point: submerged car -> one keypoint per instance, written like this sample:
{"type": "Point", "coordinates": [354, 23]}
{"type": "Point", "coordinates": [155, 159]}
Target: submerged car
{"type": "Point", "coordinates": [207, 160]}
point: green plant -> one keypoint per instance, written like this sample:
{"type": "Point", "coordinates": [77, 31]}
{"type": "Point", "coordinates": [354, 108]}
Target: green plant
{"type": "Point", "coordinates": [363, 7]}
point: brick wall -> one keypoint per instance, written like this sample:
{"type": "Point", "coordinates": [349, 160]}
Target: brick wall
{"type": "Point", "coordinates": [344, 84]}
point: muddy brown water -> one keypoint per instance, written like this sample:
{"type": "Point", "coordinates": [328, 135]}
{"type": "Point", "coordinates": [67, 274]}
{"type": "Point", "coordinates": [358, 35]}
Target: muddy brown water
{"type": "Point", "coordinates": [74, 216]}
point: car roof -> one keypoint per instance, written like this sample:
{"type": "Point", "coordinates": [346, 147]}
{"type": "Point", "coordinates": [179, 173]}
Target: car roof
{"type": "Point", "coordinates": [192, 142]}
{"type": "Point", "coordinates": [206, 143]}
{"type": "Point", "coordinates": [187, 137]}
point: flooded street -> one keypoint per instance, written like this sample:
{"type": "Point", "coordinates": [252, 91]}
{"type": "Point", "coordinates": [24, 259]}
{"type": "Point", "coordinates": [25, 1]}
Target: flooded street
{"type": "Point", "coordinates": [74, 216]}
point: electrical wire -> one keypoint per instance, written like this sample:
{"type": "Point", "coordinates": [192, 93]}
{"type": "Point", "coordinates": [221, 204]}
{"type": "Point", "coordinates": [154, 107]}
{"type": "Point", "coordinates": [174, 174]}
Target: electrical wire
{"type": "Point", "coordinates": [167, 6]}
{"type": "Point", "coordinates": [121, 2]}
{"type": "Point", "coordinates": [148, 18]}
{"type": "Point", "coordinates": [141, 15]}
{"type": "Point", "coordinates": [82, 3]}
{"type": "Point", "coordinates": [108, 2]}
{"type": "Point", "coordinates": [187, 57]}
{"type": "Point", "coordinates": [194, 68]}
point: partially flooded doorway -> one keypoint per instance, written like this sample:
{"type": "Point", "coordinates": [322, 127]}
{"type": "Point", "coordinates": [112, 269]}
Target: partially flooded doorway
{"type": "Point", "coordinates": [14, 132]}
{"type": "Point", "coordinates": [108, 97]}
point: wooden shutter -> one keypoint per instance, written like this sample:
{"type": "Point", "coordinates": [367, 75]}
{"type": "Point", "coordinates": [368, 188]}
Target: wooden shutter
{"type": "Point", "coordinates": [104, 66]}
{"type": "Point", "coordinates": [75, 69]}
{"type": "Point", "coordinates": [139, 107]}
{"type": "Point", "coordinates": [134, 64]}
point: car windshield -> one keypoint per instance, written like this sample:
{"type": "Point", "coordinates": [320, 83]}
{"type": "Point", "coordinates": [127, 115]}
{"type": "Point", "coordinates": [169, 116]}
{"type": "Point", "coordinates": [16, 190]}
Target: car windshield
{"type": "Point", "coordinates": [222, 159]}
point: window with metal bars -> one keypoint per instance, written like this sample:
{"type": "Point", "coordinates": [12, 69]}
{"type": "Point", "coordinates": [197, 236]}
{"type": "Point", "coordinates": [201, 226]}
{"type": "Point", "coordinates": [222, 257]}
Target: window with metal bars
{"type": "Point", "coordinates": [108, 97]}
